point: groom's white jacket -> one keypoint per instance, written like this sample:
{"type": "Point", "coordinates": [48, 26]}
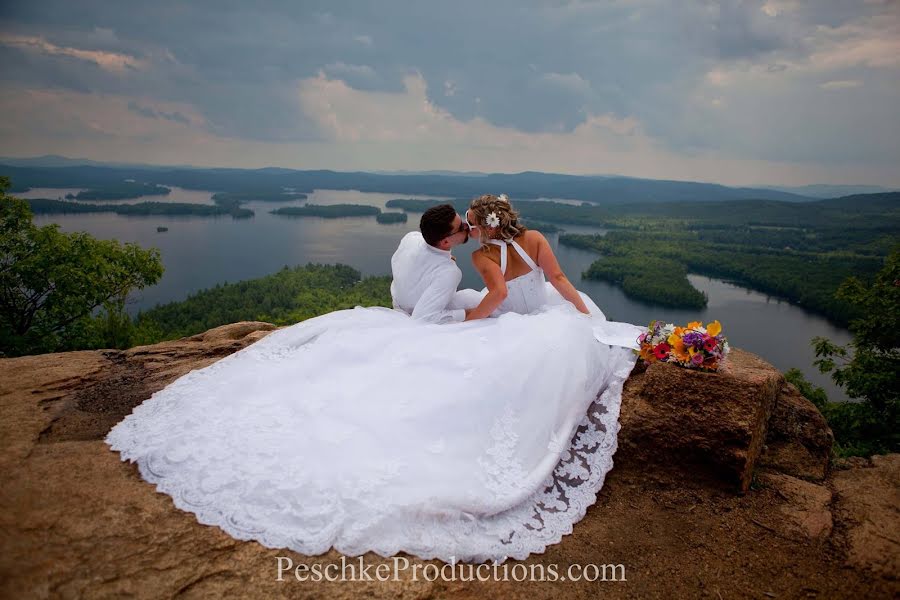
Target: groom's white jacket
{"type": "Point", "coordinates": [425, 281]}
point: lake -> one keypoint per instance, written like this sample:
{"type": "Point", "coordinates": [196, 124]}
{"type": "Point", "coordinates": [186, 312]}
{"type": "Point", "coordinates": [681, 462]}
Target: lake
{"type": "Point", "coordinates": [199, 252]}
{"type": "Point", "coordinates": [176, 195]}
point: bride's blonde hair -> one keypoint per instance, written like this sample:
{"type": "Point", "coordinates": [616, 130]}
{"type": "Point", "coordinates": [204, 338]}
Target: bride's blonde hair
{"type": "Point", "coordinates": [509, 227]}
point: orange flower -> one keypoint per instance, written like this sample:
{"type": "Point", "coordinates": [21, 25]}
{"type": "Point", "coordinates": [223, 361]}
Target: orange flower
{"type": "Point", "coordinates": [677, 345]}
{"type": "Point", "coordinates": [714, 328]}
{"type": "Point", "coordinates": [694, 325]}
{"type": "Point", "coordinates": [681, 356]}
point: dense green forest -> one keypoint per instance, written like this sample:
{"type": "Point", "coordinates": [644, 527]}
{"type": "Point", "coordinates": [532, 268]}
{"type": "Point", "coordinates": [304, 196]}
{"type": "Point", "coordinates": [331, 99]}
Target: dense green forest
{"type": "Point", "coordinates": [652, 264]}
{"type": "Point", "coordinates": [535, 214]}
{"type": "Point", "coordinates": [800, 252]}
{"type": "Point", "coordinates": [121, 191]}
{"type": "Point", "coordinates": [658, 280]}
{"type": "Point", "coordinates": [543, 227]}
{"type": "Point", "coordinates": [806, 278]}
{"type": "Point", "coordinates": [287, 296]}
{"type": "Point", "coordinates": [868, 215]}
{"type": "Point", "coordinates": [52, 284]}
{"type": "Point", "coordinates": [868, 368]}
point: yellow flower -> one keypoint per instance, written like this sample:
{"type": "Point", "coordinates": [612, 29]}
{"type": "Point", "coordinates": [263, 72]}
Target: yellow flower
{"type": "Point", "coordinates": [676, 343]}
{"type": "Point", "coordinates": [694, 325]}
{"type": "Point", "coordinates": [714, 328]}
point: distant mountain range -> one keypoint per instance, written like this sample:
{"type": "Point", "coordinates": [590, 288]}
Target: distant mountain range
{"type": "Point", "coordinates": [438, 172]}
{"type": "Point", "coordinates": [64, 172]}
{"type": "Point", "coordinates": [54, 160]}
{"type": "Point", "coordinates": [824, 190]}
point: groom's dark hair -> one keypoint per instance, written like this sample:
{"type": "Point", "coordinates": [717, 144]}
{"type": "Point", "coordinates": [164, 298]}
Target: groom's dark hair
{"type": "Point", "coordinates": [436, 223]}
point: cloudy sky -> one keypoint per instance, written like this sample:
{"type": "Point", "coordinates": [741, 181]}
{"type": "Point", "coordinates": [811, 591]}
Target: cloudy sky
{"type": "Point", "coordinates": [773, 92]}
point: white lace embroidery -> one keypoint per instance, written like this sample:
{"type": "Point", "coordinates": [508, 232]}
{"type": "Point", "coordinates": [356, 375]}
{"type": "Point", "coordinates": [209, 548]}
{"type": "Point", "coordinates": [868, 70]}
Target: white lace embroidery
{"type": "Point", "coordinates": [501, 472]}
{"type": "Point", "coordinates": [350, 521]}
{"type": "Point", "coordinates": [530, 527]}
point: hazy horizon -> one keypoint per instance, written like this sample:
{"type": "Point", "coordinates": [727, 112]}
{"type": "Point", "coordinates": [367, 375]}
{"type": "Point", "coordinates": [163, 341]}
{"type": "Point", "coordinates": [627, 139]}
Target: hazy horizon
{"type": "Point", "coordinates": [851, 188]}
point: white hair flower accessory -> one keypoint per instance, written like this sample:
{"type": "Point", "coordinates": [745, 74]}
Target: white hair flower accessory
{"type": "Point", "coordinates": [503, 198]}
{"type": "Point", "coordinates": [492, 220]}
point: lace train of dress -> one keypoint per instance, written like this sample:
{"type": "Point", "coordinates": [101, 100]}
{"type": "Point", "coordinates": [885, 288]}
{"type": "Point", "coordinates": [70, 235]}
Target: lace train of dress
{"type": "Point", "coordinates": [365, 430]}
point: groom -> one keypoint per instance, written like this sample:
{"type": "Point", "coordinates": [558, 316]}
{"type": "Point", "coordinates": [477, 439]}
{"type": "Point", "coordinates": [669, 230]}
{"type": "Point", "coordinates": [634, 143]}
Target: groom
{"type": "Point", "coordinates": [425, 273]}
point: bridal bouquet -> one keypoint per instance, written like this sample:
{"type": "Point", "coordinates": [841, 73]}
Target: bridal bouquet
{"type": "Point", "coordinates": [694, 346]}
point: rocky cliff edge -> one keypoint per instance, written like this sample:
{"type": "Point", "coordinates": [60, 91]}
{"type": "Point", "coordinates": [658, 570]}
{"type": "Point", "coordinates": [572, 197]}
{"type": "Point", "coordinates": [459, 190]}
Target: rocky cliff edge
{"type": "Point", "coordinates": [723, 487]}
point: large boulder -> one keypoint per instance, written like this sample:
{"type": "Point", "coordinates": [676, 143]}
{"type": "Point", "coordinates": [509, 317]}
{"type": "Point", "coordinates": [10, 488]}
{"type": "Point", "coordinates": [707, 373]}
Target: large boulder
{"type": "Point", "coordinates": [799, 440]}
{"type": "Point", "coordinates": [807, 511]}
{"type": "Point", "coordinates": [714, 421]}
{"type": "Point", "coordinates": [868, 500]}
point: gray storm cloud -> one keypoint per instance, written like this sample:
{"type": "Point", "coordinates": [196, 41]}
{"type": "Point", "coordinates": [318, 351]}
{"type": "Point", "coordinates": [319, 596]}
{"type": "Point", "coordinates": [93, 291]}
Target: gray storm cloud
{"type": "Point", "coordinates": [779, 81]}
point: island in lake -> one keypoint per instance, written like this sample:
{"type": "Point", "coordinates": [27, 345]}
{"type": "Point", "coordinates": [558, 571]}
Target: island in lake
{"type": "Point", "coordinates": [122, 191]}
{"type": "Point", "coordinates": [328, 211]}
{"type": "Point", "coordinates": [47, 206]}
{"type": "Point", "coordinates": [392, 217]}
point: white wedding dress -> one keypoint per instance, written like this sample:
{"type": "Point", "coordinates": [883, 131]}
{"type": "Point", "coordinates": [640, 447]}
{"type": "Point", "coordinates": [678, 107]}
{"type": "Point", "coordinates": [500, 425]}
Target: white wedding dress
{"type": "Point", "coordinates": [366, 430]}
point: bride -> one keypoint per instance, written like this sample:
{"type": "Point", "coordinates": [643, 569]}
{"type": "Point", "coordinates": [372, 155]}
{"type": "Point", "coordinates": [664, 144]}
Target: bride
{"type": "Point", "coordinates": [367, 430]}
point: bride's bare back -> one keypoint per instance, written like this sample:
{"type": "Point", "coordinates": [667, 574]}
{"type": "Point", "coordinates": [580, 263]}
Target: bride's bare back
{"type": "Point", "coordinates": [538, 249]}
{"type": "Point", "coordinates": [530, 241]}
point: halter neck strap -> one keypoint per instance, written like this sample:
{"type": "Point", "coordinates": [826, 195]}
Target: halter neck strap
{"type": "Point", "coordinates": [524, 255]}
